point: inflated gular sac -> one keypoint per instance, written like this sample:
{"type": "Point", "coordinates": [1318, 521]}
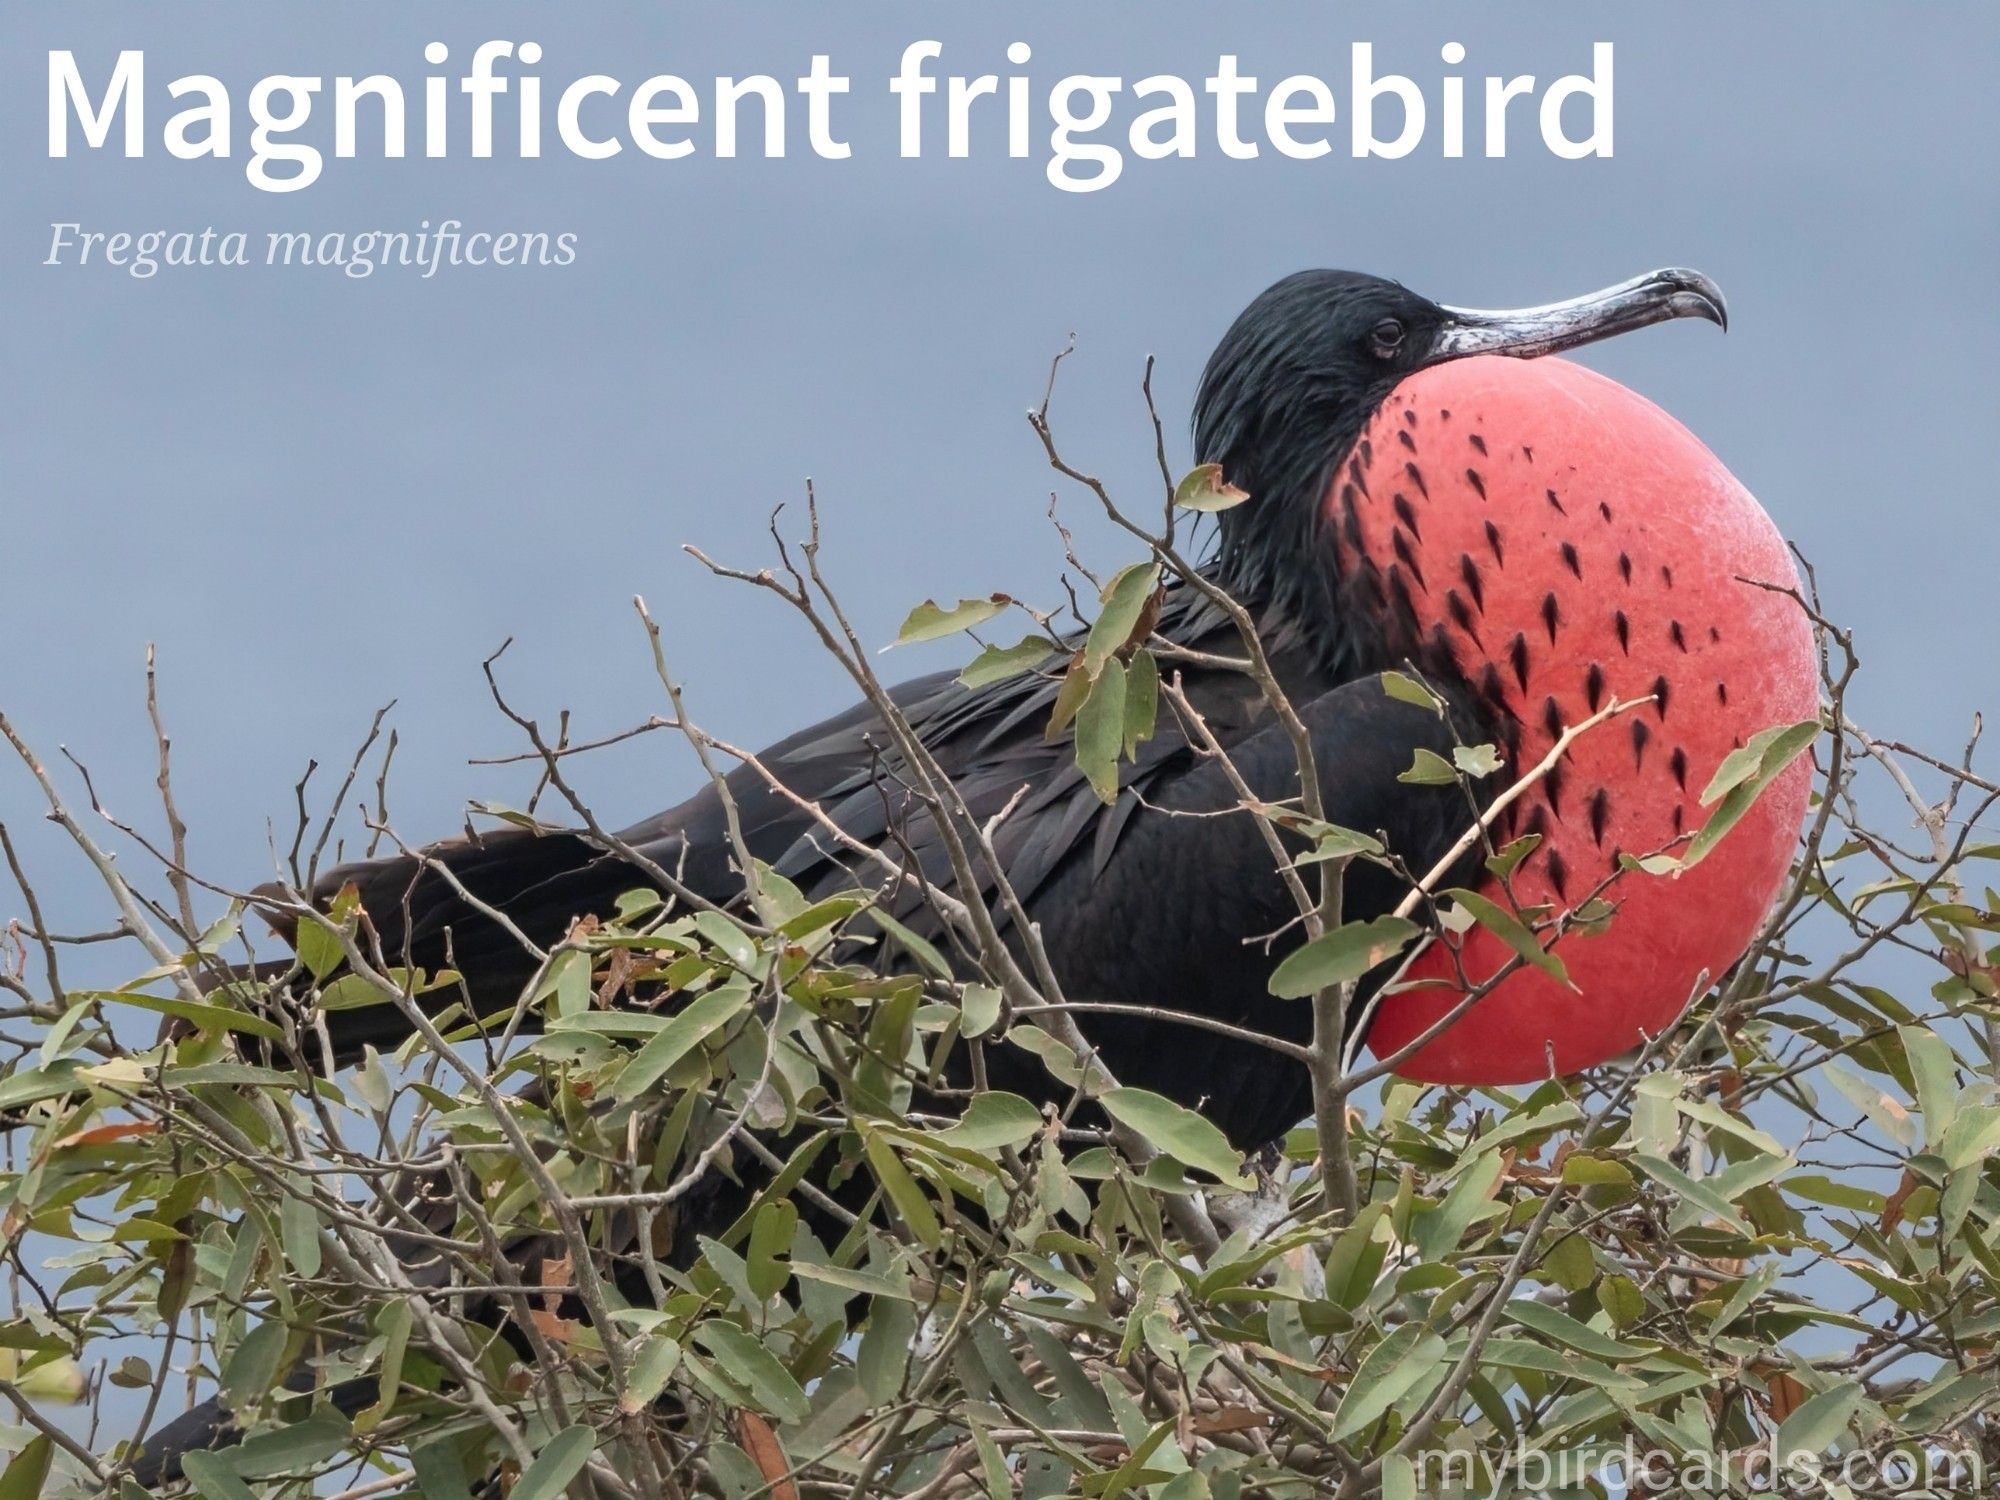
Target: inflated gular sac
{"type": "Point", "coordinates": [1572, 544]}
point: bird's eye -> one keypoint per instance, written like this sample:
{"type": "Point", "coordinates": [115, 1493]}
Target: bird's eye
{"type": "Point", "coordinates": [1387, 337]}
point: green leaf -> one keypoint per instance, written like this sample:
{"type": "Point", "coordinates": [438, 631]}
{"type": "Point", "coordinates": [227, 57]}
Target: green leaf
{"type": "Point", "coordinates": [1070, 695]}
{"type": "Point", "coordinates": [902, 1191]}
{"type": "Point", "coordinates": [1476, 760]}
{"type": "Point", "coordinates": [728, 935]}
{"type": "Point", "coordinates": [1508, 858]}
{"type": "Point", "coordinates": [1341, 956]}
{"type": "Point", "coordinates": [231, 1074]}
{"type": "Point", "coordinates": [1557, 1114]}
{"type": "Point", "coordinates": [562, 1458]}
{"type": "Point", "coordinates": [1407, 689]}
{"type": "Point", "coordinates": [55, 1040]}
{"type": "Point", "coordinates": [1357, 1255]}
{"type": "Point", "coordinates": [1623, 1303]}
{"type": "Point", "coordinates": [1509, 928]}
{"type": "Point", "coordinates": [566, 982]}
{"type": "Point", "coordinates": [1582, 1170]}
{"type": "Point", "coordinates": [1717, 1118]}
{"type": "Point", "coordinates": [993, 1120]}
{"type": "Point", "coordinates": [1100, 731]}
{"type": "Point", "coordinates": [1561, 1328]}
{"type": "Point", "coordinates": [1819, 1420]}
{"type": "Point", "coordinates": [298, 1228]}
{"type": "Point", "coordinates": [1972, 1136]}
{"type": "Point", "coordinates": [1440, 1230]}
{"type": "Point", "coordinates": [696, 1022]}
{"type": "Point", "coordinates": [1693, 1190]}
{"type": "Point", "coordinates": [142, 1231]}
{"type": "Point", "coordinates": [931, 621]}
{"type": "Point", "coordinates": [1502, 1353]}
{"type": "Point", "coordinates": [998, 663]}
{"type": "Point", "coordinates": [1429, 769]}
{"type": "Point", "coordinates": [1399, 1478]}
{"type": "Point", "coordinates": [919, 948]}
{"type": "Point", "coordinates": [1815, 1188]}
{"type": "Point", "coordinates": [1063, 1064]}
{"type": "Point", "coordinates": [252, 1370]}
{"type": "Point", "coordinates": [993, 1466]}
{"type": "Point", "coordinates": [654, 1360]}
{"type": "Point", "coordinates": [352, 992]}
{"type": "Point", "coordinates": [214, 1478]}
{"type": "Point", "coordinates": [751, 1365]}
{"type": "Point", "coordinates": [1651, 864]}
{"type": "Point", "coordinates": [318, 946]}
{"type": "Point", "coordinates": [770, 1240]}
{"type": "Point", "coordinates": [1656, 1121]}
{"type": "Point", "coordinates": [1330, 841]}
{"type": "Point", "coordinates": [392, 1322]}
{"type": "Point", "coordinates": [27, 1470]}
{"type": "Point", "coordinates": [1391, 1371]}
{"type": "Point", "coordinates": [371, 1082]}
{"type": "Point", "coordinates": [979, 1009]}
{"type": "Point", "coordinates": [292, 1448]}
{"type": "Point", "coordinates": [861, 1283]}
{"type": "Point", "coordinates": [1134, 1471]}
{"type": "Point", "coordinates": [1742, 777]}
{"type": "Point", "coordinates": [1204, 489]}
{"type": "Point", "coordinates": [1747, 1291]}
{"type": "Point", "coordinates": [1124, 603]}
{"type": "Point", "coordinates": [176, 1280]}
{"type": "Point", "coordinates": [1888, 1113]}
{"type": "Point", "coordinates": [1142, 700]}
{"type": "Point", "coordinates": [440, 1474]}
{"type": "Point", "coordinates": [883, 1356]}
{"type": "Point", "coordinates": [1753, 760]}
{"type": "Point", "coordinates": [1178, 1132]}
{"type": "Point", "coordinates": [32, 1085]}
{"type": "Point", "coordinates": [1569, 1263]}
{"type": "Point", "coordinates": [201, 1015]}
{"type": "Point", "coordinates": [1936, 1073]}
{"type": "Point", "coordinates": [821, 915]}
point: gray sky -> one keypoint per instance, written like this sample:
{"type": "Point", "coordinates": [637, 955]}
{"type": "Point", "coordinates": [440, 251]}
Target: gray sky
{"type": "Point", "coordinates": [317, 494]}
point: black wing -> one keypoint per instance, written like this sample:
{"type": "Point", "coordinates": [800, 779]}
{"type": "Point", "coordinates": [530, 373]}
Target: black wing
{"type": "Point", "coordinates": [1164, 898]}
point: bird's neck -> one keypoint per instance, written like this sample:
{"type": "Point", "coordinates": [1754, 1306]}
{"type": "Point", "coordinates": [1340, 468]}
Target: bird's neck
{"type": "Point", "coordinates": [1281, 555]}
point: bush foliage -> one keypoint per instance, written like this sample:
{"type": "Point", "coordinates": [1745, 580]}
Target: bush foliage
{"type": "Point", "coordinates": [1762, 1254]}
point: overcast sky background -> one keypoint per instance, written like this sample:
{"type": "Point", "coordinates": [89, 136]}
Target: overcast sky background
{"type": "Point", "coordinates": [317, 494]}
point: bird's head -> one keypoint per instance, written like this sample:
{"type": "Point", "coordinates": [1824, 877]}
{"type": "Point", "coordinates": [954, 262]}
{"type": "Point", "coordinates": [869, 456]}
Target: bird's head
{"type": "Point", "coordinates": [1297, 376]}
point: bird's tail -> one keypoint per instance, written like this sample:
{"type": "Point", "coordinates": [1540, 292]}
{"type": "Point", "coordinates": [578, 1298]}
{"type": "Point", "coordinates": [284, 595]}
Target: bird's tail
{"type": "Point", "coordinates": [465, 906]}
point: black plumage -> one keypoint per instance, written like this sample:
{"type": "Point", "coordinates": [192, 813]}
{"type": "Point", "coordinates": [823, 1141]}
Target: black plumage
{"type": "Point", "coordinates": [1136, 904]}
{"type": "Point", "coordinates": [1168, 897]}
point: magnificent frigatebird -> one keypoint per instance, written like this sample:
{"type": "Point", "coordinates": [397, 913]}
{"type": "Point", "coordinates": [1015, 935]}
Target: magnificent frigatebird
{"type": "Point", "coordinates": [1530, 539]}
{"type": "Point", "coordinates": [1400, 515]}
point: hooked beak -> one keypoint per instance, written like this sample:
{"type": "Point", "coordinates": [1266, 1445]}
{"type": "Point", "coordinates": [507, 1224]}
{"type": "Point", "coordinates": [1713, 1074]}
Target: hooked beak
{"type": "Point", "coordinates": [1529, 332]}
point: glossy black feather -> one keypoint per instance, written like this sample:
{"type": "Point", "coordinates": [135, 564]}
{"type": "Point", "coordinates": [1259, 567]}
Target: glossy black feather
{"type": "Point", "coordinates": [1138, 901]}
{"type": "Point", "coordinates": [1167, 898]}
{"type": "Point", "coordinates": [1137, 904]}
